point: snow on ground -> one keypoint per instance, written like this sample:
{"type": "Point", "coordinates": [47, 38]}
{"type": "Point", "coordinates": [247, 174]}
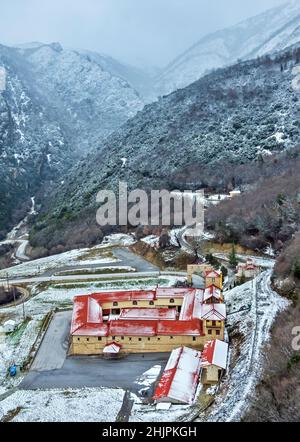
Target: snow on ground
{"type": "Point", "coordinates": [151, 240]}
{"type": "Point", "coordinates": [72, 258]}
{"type": "Point", "coordinates": [179, 236]}
{"type": "Point", "coordinates": [84, 405]}
{"type": "Point", "coordinates": [118, 239]}
{"type": "Point", "coordinates": [105, 269]}
{"type": "Point", "coordinates": [270, 251]}
{"type": "Point", "coordinates": [214, 200]}
{"type": "Point", "coordinates": [148, 413]}
{"type": "Point", "coordinates": [147, 379]}
{"type": "Point", "coordinates": [96, 255]}
{"type": "Point", "coordinates": [16, 348]}
{"type": "Point", "coordinates": [252, 332]}
{"type": "Point", "coordinates": [251, 328]}
{"type": "Point", "coordinates": [260, 261]}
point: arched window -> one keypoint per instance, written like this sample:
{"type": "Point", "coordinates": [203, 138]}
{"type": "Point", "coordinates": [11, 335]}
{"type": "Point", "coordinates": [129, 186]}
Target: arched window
{"type": "Point", "coordinates": [172, 301]}
{"type": "Point", "coordinates": [115, 304]}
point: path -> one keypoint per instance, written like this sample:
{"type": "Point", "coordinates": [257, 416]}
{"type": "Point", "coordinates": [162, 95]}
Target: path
{"type": "Point", "coordinates": [265, 304]}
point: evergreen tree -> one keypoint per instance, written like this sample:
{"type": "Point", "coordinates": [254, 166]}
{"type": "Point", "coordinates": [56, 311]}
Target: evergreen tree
{"type": "Point", "coordinates": [243, 279]}
{"type": "Point", "coordinates": [224, 271]}
{"type": "Point", "coordinates": [232, 257]}
{"type": "Point", "coordinates": [296, 270]}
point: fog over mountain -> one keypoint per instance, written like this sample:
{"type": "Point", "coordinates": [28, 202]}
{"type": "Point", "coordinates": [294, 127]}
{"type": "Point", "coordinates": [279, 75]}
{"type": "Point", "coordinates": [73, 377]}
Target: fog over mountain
{"type": "Point", "coordinates": [139, 32]}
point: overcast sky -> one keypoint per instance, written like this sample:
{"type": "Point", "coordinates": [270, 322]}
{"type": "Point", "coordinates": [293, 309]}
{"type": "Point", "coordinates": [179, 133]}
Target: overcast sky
{"type": "Point", "coordinates": [141, 32]}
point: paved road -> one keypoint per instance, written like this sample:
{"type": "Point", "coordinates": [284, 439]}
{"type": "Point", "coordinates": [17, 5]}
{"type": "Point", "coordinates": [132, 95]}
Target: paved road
{"type": "Point", "coordinates": [52, 352]}
{"type": "Point", "coordinates": [129, 258]}
{"type": "Point", "coordinates": [126, 257]}
{"type": "Point", "coordinates": [20, 253]}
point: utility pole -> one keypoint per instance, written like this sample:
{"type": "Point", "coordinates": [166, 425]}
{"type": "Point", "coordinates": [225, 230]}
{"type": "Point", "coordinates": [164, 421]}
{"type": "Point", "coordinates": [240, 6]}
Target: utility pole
{"type": "Point", "coordinates": [23, 305]}
{"type": "Point", "coordinates": [14, 294]}
{"type": "Point", "coordinates": [7, 280]}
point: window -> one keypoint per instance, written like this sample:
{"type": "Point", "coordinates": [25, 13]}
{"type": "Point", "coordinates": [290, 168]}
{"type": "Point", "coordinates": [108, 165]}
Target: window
{"type": "Point", "coordinates": [158, 339]}
{"type": "Point", "coordinates": [210, 332]}
{"type": "Point", "coordinates": [99, 339]}
{"type": "Point", "coordinates": [172, 301]}
{"type": "Point", "coordinates": [140, 339]}
{"type": "Point", "coordinates": [78, 339]}
{"type": "Point", "coordinates": [149, 339]}
{"type": "Point", "coordinates": [113, 338]}
{"type": "Point", "coordinates": [213, 323]}
{"type": "Point", "coordinates": [135, 303]}
{"type": "Point", "coordinates": [171, 337]}
{"type": "Point", "coordinates": [115, 304]}
{"type": "Point", "coordinates": [218, 332]}
{"type": "Point", "coordinates": [151, 303]}
{"type": "Point", "coordinates": [130, 339]}
{"type": "Point", "coordinates": [122, 338]}
{"type": "Point", "coordinates": [194, 338]}
{"type": "Point", "coordinates": [87, 339]}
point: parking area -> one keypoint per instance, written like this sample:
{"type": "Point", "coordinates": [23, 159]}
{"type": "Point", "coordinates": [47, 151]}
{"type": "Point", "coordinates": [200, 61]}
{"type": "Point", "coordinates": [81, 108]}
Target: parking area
{"type": "Point", "coordinates": [53, 369]}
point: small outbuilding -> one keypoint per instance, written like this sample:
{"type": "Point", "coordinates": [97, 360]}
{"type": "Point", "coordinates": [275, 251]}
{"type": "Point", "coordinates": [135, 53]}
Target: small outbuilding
{"type": "Point", "coordinates": [213, 361]}
{"type": "Point", "coordinates": [112, 350]}
{"type": "Point", "coordinates": [235, 193]}
{"type": "Point", "coordinates": [180, 378]}
{"type": "Point", "coordinates": [247, 269]}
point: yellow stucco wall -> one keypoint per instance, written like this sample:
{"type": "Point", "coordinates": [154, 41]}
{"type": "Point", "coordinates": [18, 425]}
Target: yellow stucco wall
{"type": "Point", "coordinates": [158, 303]}
{"type": "Point", "coordinates": [218, 282]}
{"type": "Point", "coordinates": [197, 268]}
{"type": "Point", "coordinates": [210, 375]}
{"type": "Point", "coordinates": [90, 345]}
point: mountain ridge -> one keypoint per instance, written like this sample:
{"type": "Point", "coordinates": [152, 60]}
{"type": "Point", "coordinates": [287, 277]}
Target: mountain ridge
{"type": "Point", "coordinates": [222, 48]}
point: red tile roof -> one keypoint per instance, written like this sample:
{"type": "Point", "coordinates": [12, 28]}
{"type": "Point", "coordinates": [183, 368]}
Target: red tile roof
{"type": "Point", "coordinates": [87, 317]}
{"type": "Point", "coordinates": [179, 380]}
{"type": "Point", "coordinates": [215, 353]}
{"type": "Point", "coordinates": [148, 314]}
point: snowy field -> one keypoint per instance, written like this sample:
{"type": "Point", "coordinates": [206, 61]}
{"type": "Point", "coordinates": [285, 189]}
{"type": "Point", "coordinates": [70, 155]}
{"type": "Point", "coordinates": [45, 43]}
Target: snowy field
{"type": "Point", "coordinates": [100, 254]}
{"type": "Point", "coordinates": [85, 405]}
{"type": "Point", "coordinates": [260, 261]}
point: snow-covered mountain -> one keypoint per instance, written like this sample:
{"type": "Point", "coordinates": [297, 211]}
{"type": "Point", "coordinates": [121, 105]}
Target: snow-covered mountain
{"type": "Point", "coordinates": [56, 106]}
{"type": "Point", "coordinates": [271, 31]}
{"type": "Point", "coordinates": [140, 80]}
{"type": "Point", "coordinates": [187, 139]}
{"type": "Point", "coordinates": [90, 101]}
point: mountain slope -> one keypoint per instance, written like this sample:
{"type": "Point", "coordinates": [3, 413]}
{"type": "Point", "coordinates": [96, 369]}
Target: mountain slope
{"type": "Point", "coordinates": [90, 101]}
{"type": "Point", "coordinates": [140, 80]}
{"type": "Point", "coordinates": [233, 115]}
{"type": "Point", "coordinates": [271, 31]}
{"type": "Point", "coordinates": [56, 106]}
{"type": "Point", "coordinates": [33, 147]}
